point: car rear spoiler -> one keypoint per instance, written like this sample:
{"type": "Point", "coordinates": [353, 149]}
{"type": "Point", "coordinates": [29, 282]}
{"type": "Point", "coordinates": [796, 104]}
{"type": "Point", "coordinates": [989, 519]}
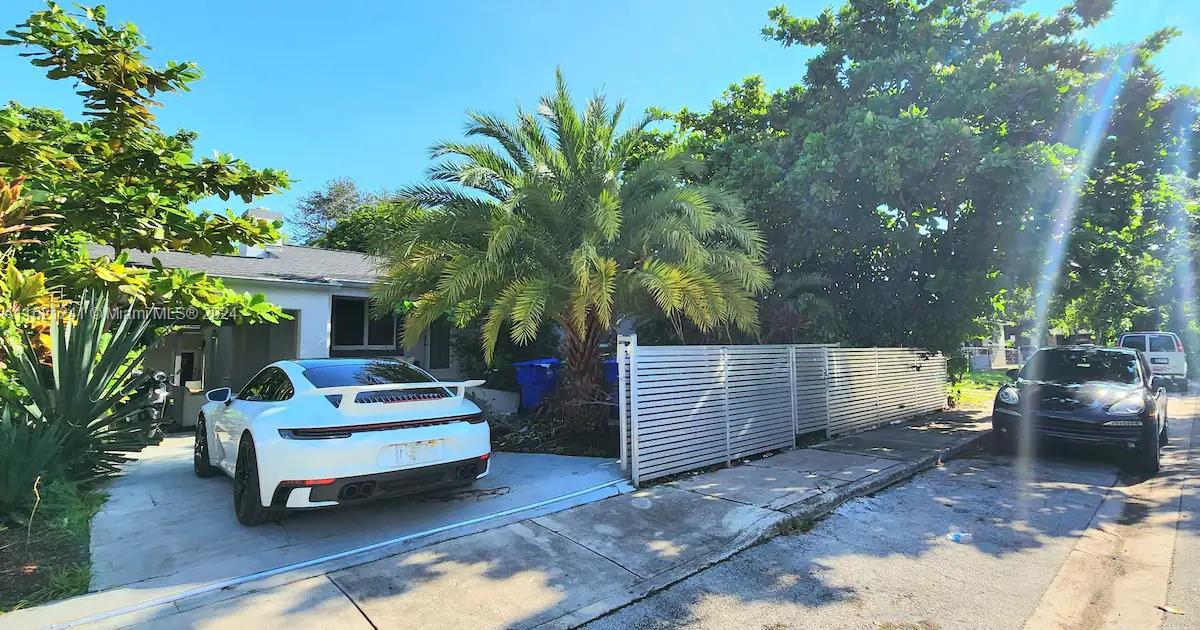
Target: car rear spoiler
{"type": "Point", "coordinates": [348, 392]}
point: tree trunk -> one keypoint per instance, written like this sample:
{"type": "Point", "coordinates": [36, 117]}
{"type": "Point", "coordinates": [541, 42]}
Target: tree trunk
{"type": "Point", "coordinates": [581, 393]}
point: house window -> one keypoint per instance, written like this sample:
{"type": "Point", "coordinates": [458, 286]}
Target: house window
{"type": "Point", "coordinates": [382, 331]}
{"type": "Point", "coordinates": [354, 328]}
{"type": "Point", "coordinates": [439, 345]}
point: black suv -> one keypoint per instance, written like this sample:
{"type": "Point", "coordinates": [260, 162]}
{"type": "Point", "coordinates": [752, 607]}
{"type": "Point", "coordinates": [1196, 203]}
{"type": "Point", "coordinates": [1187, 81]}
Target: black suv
{"type": "Point", "coordinates": [1085, 394]}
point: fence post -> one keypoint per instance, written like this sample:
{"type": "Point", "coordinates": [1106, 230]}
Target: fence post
{"type": "Point", "coordinates": [725, 400]}
{"type": "Point", "coordinates": [622, 408]}
{"type": "Point", "coordinates": [633, 409]}
{"type": "Point", "coordinates": [828, 383]}
{"type": "Point", "coordinates": [792, 386]}
{"type": "Point", "coordinates": [875, 390]}
{"type": "Point", "coordinates": [915, 375]}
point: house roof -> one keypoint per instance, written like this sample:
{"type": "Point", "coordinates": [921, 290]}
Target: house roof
{"type": "Point", "coordinates": [281, 263]}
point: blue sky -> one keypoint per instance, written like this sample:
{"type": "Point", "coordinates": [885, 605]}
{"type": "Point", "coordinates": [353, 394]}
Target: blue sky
{"type": "Point", "coordinates": [361, 89]}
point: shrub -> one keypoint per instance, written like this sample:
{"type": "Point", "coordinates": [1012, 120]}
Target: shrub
{"type": "Point", "coordinates": [89, 394]}
{"type": "Point", "coordinates": [27, 450]}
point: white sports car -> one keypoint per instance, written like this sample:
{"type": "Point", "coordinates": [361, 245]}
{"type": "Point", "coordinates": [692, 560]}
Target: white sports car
{"type": "Point", "coordinates": [311, 433]}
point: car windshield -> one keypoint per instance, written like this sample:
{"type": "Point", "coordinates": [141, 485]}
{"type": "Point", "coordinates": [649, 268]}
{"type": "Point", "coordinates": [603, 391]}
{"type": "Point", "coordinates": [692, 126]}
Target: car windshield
{"type": "Point", "coordinates": [366, 373]}
{"type": "Point", "coordinates": [1082, 366]}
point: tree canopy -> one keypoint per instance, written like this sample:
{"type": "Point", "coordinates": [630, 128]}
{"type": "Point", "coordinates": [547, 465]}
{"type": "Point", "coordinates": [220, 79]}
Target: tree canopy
{"type": "Point", "coordinates": [318, 212]}
{"type": "Point", "coordinates": [115, 178]}
{"type": "Point", "coordinates": [907, 182]}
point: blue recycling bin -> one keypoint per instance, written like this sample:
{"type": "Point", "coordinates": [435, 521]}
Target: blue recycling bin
{"type": "Point", "coordinates": [536, 378]}
{"type": "Point", "coordinates": [610, 371]}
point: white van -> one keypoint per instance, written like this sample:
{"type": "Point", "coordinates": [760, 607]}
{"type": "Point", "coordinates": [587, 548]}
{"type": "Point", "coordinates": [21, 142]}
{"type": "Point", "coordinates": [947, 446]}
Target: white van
{"type": "Point", "coordinates": [1164, 350]}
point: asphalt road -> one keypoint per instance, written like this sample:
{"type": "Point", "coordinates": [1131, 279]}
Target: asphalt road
{"type": "Point", "coordinates": [1068, 540]}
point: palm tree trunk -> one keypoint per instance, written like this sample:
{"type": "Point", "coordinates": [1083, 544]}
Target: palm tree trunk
{"type": "Point", "coordinates": [582, 391]}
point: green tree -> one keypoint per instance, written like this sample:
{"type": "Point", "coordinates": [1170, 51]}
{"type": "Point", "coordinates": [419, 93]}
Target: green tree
{"type": "Point", "coordinates": [115, 178]}
{"type": "Point", "coordinates": [1119, 271]}
{"type": "Point", "coordinates": [902, 168]}
{"type": "Point", "coordinates": [362, 229]}
{"type": "Point", "coordinates": [319, 211]}
{"type": "Point", "coordinates": [544, 224]}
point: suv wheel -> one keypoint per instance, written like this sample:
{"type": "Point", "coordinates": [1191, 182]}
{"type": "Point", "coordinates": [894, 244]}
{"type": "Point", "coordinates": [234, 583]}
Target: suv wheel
{"type": "Point", "coordinates": [1002, 442]}
{"type": "Point", "coordinates": [1149, 454]}
{"type": "Point", "coordinates": [200, 461]}
{"type": "Point", "coordinates": [246, 493]}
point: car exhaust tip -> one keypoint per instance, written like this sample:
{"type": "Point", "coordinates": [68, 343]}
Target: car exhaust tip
{"type": "Point", "coordinates": [366, 490]}
{"type": "Point", "coordinates": [350, 491]}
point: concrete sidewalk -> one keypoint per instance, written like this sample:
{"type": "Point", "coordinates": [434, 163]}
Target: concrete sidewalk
{"type": "Point", "coordinates": [568, 567]}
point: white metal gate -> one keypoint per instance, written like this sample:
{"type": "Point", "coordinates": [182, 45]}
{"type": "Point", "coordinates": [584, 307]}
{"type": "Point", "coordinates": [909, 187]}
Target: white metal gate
{"type": "Point", "coordinates": [687, 407]}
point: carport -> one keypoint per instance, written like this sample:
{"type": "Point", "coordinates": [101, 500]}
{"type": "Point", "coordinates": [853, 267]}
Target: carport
{"type": "Point", "coordinates": [203, 356]}
{"type": "Point", "coordinates": [164, 531]}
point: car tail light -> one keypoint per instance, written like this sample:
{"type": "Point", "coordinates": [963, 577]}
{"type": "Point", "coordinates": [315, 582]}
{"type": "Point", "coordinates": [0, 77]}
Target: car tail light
{"type": "Point", "coordinates": [308, 482]}
{"type": "Point", "coordinates": [312, 434]}
{"type": "Point", "coordinates": [1178, 345]}
{"type": "Point", "coordinates": [485, 456]}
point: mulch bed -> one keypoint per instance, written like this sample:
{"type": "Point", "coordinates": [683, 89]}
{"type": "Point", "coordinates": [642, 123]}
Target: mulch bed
{"type": "Point", "coordinates": [544, 433]}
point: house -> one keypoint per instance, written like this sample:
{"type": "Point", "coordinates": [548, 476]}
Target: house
{"type": "Point", "coordinates": [326, 293]}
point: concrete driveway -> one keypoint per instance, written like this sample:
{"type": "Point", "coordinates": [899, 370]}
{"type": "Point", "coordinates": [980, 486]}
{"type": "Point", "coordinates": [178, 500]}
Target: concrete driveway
{"type": "Point", "coordinates": [164, 530]}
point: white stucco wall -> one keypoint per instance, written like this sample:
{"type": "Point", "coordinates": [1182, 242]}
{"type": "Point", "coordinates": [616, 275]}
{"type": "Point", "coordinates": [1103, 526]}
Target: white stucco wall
{"type": "Point", "coordinates": [312, 304]}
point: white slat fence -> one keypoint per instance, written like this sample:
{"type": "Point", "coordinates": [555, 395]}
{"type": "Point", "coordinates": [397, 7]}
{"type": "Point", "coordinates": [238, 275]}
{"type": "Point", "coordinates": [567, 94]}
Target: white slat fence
{"type": "Point", "coordinates": [687, 407]}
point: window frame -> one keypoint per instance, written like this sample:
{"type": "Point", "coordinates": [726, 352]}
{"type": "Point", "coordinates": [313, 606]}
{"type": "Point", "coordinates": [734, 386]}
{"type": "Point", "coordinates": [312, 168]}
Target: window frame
{"type": "Point", "coordinates": [366, 327]}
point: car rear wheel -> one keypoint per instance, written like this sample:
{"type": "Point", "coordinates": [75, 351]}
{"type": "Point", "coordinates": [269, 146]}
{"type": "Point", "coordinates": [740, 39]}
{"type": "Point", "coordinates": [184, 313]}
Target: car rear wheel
{"type": "Point", "coordinates": [200, 461]}
{"type": "Point", "coordinates": [246, 492]}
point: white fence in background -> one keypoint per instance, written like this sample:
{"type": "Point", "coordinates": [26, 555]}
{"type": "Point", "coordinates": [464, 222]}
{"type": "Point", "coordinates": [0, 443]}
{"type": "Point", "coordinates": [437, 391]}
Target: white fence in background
{"type": "Point", "coordinates": [687, 407]}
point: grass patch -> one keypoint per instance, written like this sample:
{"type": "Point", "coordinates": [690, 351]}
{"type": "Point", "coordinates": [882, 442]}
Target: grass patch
{"type": "Point", "coordinates": [977, 388]}
{"type": "Point", "coordinates": [793, 526]}
{"type": "Point", "coordinates": [49, 558]}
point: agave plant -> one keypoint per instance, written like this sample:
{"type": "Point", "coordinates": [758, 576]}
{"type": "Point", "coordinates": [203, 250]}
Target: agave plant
{"type": "Point", "coordinates": [545, 221]}
{"type": "Point", "coordinates": [89, 391]}
{"type": "Point", "coordinates": [27, 450]}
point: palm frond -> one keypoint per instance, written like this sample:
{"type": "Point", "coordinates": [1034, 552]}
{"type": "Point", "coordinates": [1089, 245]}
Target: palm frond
{"type": "Point", "coordinates": [506, 134]}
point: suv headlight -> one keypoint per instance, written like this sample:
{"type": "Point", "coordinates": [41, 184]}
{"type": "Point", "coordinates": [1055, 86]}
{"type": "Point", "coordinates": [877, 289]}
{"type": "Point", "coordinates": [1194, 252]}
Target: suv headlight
{"type": "Point", "coordinates": [1131, 405]}
{"type": "Point", "coordinates": [1008, 395]}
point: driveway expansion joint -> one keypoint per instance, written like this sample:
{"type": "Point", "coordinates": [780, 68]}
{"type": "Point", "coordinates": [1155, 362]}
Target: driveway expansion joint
{"type": "Point", "coordinates": [535, 523]}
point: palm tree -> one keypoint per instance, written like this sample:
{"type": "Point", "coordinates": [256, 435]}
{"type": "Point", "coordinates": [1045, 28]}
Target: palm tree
{"type": "Point", "coordinates": [544, 222]}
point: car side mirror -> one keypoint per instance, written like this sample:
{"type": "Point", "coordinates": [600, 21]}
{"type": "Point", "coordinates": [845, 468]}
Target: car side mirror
{"type": "Point", "coordinates": [1157, 383]}
{"type": "Point", "coordinates": [1012, 374]}
{"type": "Point", "coordinates": [220, 394]}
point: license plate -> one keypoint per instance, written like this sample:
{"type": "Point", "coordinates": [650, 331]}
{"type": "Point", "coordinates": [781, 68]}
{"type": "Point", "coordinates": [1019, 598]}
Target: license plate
{"type": "Point", "coordinates": [417, 452]}
{"type": "Point", "coordinates": [1160, 360]}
